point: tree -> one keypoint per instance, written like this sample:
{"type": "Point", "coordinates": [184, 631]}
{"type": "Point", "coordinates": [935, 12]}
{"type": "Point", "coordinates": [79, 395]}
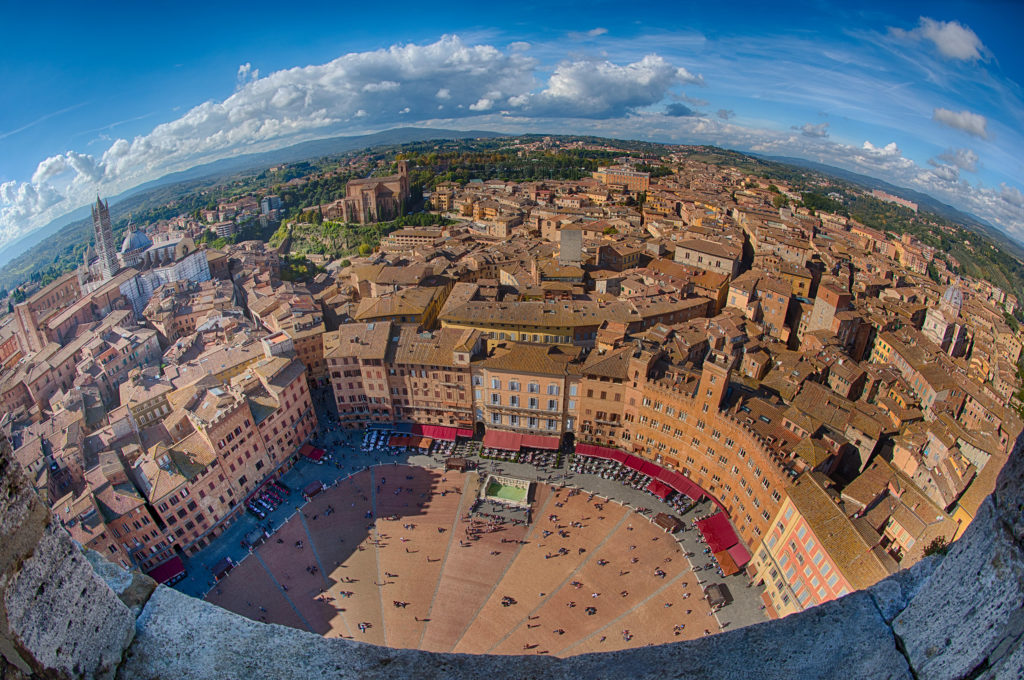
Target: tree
{"type": "Point", "coordinates": [365, 249]}
{"type": "Point", "coordinates": [779, 201]}
{"type": "Point", "coordinates": [938, 546]}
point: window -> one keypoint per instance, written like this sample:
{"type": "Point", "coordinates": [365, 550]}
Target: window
{"type": "Point", "coordinates": [533, 388]}
{"type": "Point", "coordinates": [513, 385]}
{"type": "Point", "coordinates": [496, 399]}
{"type": "Point", "coordinates": [513, 400]}
{"type": "Point", "coordinates": [495, 384]}
{"type": "Point", "coordinates": [496, 418]}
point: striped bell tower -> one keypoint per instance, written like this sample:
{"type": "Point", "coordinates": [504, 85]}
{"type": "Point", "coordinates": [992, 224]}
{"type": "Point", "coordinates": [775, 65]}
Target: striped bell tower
{"type": "Point", "coordinates": [104, 236]}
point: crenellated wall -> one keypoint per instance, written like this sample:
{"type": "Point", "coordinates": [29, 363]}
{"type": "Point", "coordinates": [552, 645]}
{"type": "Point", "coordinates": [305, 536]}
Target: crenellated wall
{"type": "Point", "coordinates": [71, 615]}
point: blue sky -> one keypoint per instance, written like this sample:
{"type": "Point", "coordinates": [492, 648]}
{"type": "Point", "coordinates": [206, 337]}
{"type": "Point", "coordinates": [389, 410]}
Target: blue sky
{"type": "Point", "coordinates": [99, 100]}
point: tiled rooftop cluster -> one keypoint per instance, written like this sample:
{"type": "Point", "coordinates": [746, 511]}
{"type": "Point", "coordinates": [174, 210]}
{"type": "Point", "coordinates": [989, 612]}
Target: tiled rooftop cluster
{"type": "Point", "coordinates": [842, 407]}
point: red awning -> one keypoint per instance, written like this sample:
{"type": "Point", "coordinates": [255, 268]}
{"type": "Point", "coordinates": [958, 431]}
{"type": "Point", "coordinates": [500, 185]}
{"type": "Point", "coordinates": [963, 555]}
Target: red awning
{"type": "Point", "coordinates": [650, 469]}
{"type": "Point", "coordinates": [169, 571]}
{"type": "Point", "coordinates": [740, 555]}
{"type": "Point", "coordinates": [595, 451]}
{"type": "Point", "coordinates": [727, 564]}
{"type": "Point", "coordinates": [536, 441]}
{"type": "Point", "coordinates": [718, 532]}
{"type": "Point", "coordinates": [313, 488]}
{"type": "Point", "coordinates": [633, 463]}
{"type": "Point", "coordinates": [681, 483]}
{"type": "Point", "coordinates": [311, 452]}
{"type": "Point", "coordinates": [436, 432]}
{"type": "Point", "coordinates": [507, 441]}
{"type": "Point", "coordinates": [660, 490]}
{"type": "Point", "coordinates": [464, 432]}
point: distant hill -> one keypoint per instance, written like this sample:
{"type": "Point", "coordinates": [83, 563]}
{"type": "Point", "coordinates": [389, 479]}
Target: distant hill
{"type": "Point", "coordinates": [119, 207]}
{"type": "Point", "coordinates": [923, 200]}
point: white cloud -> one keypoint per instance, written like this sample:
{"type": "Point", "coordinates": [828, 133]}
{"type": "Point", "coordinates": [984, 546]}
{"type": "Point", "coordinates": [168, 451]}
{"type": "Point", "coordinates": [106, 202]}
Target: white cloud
{"type": "Point", "coordinates": [890, 150]}
{"type": "Point", "coordinates": [808, 130]}
{"type": "Point", "coordinates": [600, 89]}
{"type": "Point", "coordinates": [518, 46]}
{"type": "Point", "coordinates": [725, 114]}
{"type": "Point", "coordinates": [1012, 195]}
{"type": "Point", "coordinates": [592, 33]}
{"type": "Point", "coordinates": [952, 39]}
{"type": "Point", "coordinates": [946, 173]}
{"type": "Point", "coordinates": [965, 159]}
{"type": "Point", "coordinates": [246, 73]}
{"type": "Point", "coordinates": [444, 93]}
{"type": "Point", "coordinates": [482, 104]}
{"type": "Point", "coordinates": [382, 86]}
{"type": "Point", "coordinates": [971, 123]}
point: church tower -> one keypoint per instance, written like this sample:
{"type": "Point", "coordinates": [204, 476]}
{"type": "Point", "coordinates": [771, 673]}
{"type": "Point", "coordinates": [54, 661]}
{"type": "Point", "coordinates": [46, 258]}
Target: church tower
{"type": "Point", "coordinates": [714, 380]}
{"type": "Point", "coordinates": [104, 236]}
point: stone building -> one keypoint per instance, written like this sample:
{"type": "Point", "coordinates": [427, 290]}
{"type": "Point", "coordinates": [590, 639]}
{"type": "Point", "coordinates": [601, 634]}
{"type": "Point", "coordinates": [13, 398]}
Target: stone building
{"type": "Point", "coordinates": [376, 199]}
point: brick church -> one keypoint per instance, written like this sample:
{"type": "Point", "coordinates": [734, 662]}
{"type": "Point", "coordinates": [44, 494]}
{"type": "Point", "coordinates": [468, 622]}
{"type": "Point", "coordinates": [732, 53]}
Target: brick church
{"type": "Point", "coordinates": [374, 199]}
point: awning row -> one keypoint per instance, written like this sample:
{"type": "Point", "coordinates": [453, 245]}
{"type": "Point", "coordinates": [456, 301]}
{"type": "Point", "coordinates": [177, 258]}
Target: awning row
{"type": "Point", "coordinates": [674, 480]}
{"type": "Point", "coordinates": [716, 529]}
{"type": "Point", "coordinates": [513, 441]}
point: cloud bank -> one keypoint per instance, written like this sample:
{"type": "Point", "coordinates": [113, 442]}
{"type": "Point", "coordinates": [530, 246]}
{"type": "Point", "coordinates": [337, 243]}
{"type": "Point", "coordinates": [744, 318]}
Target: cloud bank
{"type": "Point", "coordinates": [449, 83]}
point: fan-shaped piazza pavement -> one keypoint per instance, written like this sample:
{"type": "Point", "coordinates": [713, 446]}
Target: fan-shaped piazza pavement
{"type": "Point", "coordinates": [392, 556]}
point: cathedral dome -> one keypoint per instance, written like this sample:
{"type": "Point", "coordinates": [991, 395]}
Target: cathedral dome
{"type": "Point", "coordinates": [135, 240]}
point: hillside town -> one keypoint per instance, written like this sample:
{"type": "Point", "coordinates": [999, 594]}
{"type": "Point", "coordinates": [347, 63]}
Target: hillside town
{"type": "Point", "coordinates": [843, 395]}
